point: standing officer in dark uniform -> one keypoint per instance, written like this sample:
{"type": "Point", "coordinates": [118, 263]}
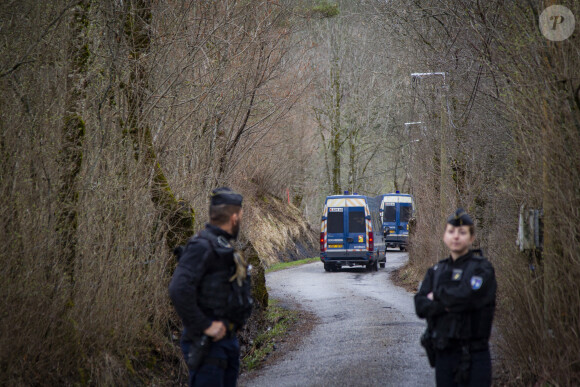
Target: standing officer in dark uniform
{"type": "Point", "coordinates": [457, 297]}
{"type": "Point", "coordinates": [210, 290]}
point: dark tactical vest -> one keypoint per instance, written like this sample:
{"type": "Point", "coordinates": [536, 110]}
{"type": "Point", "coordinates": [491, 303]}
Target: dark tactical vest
{"type": "Point", "coordinates": [453, 329]}
{"type": "Point", "coordinates": [218, 297]}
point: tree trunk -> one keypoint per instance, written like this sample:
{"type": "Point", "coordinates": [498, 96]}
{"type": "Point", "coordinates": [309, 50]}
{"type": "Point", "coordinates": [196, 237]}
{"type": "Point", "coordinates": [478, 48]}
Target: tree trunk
{"type": "Point", "coordinates": [178, 215]}
{"type": "Point", "coordinates": [335, 126]}
{"type": "Point", "coordinates": [73, 134]}
{"type": "Point", "coordinates": [321, 128]}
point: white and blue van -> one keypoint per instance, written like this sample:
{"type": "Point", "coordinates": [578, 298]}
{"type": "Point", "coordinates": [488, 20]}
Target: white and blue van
{"type": "Point", "coordinates": [396, 209]}
{"type": "Point", "coordinates": [348, 236]}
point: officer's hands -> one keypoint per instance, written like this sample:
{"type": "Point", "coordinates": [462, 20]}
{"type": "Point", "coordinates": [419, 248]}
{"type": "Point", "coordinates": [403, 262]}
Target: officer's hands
{"type": "Point", "coordinates": [217, 330]}
{"type": "Point", "coordinates": [432, 298]}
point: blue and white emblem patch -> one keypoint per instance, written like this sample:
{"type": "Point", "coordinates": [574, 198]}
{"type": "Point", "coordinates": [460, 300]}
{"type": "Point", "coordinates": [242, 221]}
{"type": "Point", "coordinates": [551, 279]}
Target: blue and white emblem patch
{"type": "Point", "coordinates": [476, 282]}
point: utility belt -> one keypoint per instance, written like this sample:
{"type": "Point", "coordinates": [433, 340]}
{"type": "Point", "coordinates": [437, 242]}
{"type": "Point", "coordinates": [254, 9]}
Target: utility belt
{"type": "Point", "coordinates": [432, 345]}
{"type": "Point", "coordinates": [456, 338]}
{"type": "Point", "coordinates": [453, 330]}
{"type": "Point", "coordinates": [231, 329]}
{"type": "Point", "coordinates": [434, 342]}
{"type": "Point", "coordinates": [230, 334]}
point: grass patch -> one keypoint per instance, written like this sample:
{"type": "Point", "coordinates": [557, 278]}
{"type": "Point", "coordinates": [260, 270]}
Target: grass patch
{"type": "Point", "coordinates": [286, 265]}
{"type": "Point", "coordinates": [278, 321]}
{"type": "Point", "coordinates": [406, 277]}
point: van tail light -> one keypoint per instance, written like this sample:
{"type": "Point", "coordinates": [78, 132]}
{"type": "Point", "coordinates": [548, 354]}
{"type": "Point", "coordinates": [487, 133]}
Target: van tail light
{"type": "Point", "coordinates": [371, 241]}
{"type": "Point", "coordinates": [322, 249]}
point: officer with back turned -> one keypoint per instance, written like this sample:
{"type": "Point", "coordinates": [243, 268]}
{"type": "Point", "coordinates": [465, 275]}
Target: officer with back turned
{"type": "Point", "coordinates": [457, 297]}
{"type": "Point", "coordinates": [210, 290]}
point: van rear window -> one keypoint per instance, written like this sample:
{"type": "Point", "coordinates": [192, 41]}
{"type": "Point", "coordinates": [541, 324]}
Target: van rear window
{"type": "Point", "coordinates": [335, 222]}
{"type": "Point", "coordinates": [356, 222]}
{"type": "Point", "coordinates": [406, 212]}
{"type": "Point", "coordinates": [390, 214]}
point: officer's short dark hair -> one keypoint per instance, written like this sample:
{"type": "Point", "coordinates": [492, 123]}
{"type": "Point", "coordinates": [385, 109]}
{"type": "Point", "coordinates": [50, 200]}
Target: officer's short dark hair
{"type": "Point", "coordinates": [470, 226]}
{"type": "Point", "coordinates": [221, 213]}
{"type": "Point", "coordinates": [471, 229]}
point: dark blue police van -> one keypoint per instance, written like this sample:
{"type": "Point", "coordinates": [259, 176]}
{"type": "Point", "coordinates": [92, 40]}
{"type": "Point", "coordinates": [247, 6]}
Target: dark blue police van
{"type": "Point", "coordinates": [396, 209]}
{"type": "Point", "coordinates": [350, 233]}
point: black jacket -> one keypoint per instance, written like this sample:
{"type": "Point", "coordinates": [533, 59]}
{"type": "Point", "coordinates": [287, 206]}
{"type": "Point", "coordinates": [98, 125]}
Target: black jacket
{"type": "Point", "coordinates": [464, 294]}
{"type": "Point", "coordinates": [196, 263]}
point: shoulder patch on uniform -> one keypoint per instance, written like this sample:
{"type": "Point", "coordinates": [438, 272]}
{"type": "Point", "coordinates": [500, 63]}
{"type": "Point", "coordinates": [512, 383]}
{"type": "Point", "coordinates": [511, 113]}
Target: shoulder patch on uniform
{"type": "Point", "coordinates": [223, 242]}
{"type": "Point", "coordinates": [456, 275]}
{"type": "Point", "coordinates": [476, 282]}
{"type": "Point", "coordinates": [436, 266]}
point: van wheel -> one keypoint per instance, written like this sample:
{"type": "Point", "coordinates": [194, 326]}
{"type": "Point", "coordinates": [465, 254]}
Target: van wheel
{"type": "Point", "coordinates": [327, 267]}
{"type": "Point", "coordinates": [376, 266]}
{"type": "Point", "coordinates": [402, 248]}
{"type": "Point", "coordinates": [382, 265]}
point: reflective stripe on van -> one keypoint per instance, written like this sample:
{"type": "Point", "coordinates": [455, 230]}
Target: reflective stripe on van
{"type": "Point", "coordinates": [345, 202]}
{"type": "Point", "coordinates": [323, 230]}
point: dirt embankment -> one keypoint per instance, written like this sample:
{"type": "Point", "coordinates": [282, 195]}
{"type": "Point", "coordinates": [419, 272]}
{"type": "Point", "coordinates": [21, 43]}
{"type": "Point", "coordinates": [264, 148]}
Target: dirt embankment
{"type": "Point", "coordinates": [278, 231]}
{"type": "Point", "coordinates": [275, 231]}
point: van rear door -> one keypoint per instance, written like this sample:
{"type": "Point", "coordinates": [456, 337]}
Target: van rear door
{"type": "Point", "coordinates": [390, 216]}
{"type": "Point", "coordinates": [336, 238]}
{"type": "Point", "coordinates": [356, 236]}
{"type": "Point", "coordinates": [405, 213]}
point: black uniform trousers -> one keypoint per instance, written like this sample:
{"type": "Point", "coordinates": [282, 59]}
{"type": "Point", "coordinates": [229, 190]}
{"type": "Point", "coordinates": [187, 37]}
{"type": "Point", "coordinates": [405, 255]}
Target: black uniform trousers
{"type": "Point", "coordinates": [211, 374]}
{"type": "Point", "coordinates": [448, 360]}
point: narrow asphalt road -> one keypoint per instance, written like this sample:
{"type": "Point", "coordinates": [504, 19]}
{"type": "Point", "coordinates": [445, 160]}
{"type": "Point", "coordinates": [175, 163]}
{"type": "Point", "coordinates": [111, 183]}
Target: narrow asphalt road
{"type": "Point", "coordinates": [368, 333]}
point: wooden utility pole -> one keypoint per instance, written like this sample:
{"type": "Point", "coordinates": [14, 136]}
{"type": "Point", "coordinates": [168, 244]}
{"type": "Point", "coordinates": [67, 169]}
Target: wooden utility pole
{"type": "Point", "coordinates": [445, 177]}
{"type": "Point", "coordinates": [445, 185]}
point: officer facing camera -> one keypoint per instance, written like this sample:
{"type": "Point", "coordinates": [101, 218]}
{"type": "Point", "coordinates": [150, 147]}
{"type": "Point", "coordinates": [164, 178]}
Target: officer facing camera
{"type": "Point", "coordinates": [211, 293]}
{"type": "Point", "coordinates": [457, 297]}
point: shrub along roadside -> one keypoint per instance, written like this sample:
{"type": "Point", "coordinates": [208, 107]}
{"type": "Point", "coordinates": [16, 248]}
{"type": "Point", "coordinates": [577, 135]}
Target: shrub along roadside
{"type": "Point", "coordinates": [278, 322]}
{"type": "Point", "coordinates": [286, 265]}
{"type": "Point", "coordinates": [408, 277]}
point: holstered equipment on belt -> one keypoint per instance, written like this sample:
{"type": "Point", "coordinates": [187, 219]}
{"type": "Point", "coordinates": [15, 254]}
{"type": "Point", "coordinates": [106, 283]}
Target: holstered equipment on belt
{"type": "Point", "coordinates": [427, 343]}
{"type": "Point", "coordinates": [198, 352]}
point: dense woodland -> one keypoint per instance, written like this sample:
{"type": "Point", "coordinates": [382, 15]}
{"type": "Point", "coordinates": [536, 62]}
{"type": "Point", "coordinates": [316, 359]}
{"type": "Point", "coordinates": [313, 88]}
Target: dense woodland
{"type": "Point", "coordinates": [119, 117]}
